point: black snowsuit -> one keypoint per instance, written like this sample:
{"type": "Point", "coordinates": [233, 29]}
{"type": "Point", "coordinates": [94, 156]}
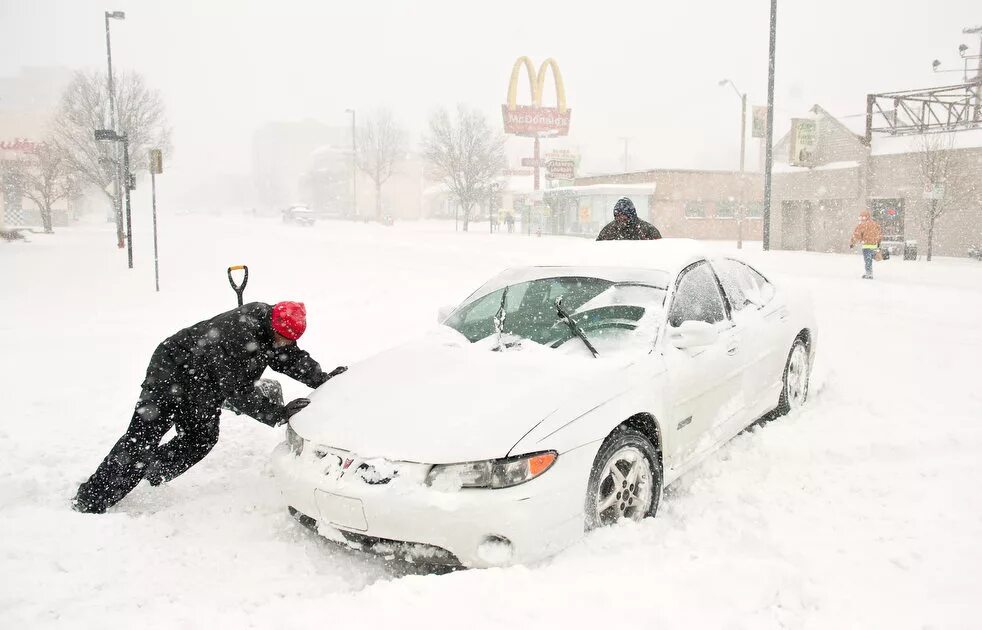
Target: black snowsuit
{"type": "Point", "coordinates": [632, 230]}
{"type": "Point", "coordinates": [189, 377]}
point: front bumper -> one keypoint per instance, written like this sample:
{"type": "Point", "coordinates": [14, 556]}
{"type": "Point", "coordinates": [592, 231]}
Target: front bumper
{"type": "Point", "coordinates": [472, 527]}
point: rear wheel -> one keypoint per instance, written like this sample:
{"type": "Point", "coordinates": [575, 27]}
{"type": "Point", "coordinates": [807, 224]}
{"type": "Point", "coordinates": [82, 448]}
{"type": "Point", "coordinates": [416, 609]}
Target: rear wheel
{"type": "Point", "coordinates": [625, 482]}
{"type": "Point", "coordinates": [794, 392]}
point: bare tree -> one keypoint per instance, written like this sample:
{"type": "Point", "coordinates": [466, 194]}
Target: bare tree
{"type": "Point", "coordinates": [85, 108]}
{"type": "Point", "coordinates": [46, 179]}
{"type": "Point", "coordinates": [465, 154]}
{"type": "Point", "coordinates": [939, 173]}
{"type": "Point", "coordinates": [381, 144]}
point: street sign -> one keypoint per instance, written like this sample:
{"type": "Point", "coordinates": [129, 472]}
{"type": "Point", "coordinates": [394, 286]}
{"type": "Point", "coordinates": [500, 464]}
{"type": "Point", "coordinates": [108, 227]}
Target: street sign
{"type": "Point", "coordinates": [804, 141]}
{"type": "Point", "coordinates": [517, 172]}
{"type": "Point", "coordinates": [759, 122]}
{"type": "Point", "coordinates": [156, 161]}
{"type": "Point", "coordinates": [934, 191]}
{"type": "Point", "coordinates": [560, 169]}
{"type": "Point", "coordinates": [532, 162]}
{"type": "Point", "coordinates": [561, 165]}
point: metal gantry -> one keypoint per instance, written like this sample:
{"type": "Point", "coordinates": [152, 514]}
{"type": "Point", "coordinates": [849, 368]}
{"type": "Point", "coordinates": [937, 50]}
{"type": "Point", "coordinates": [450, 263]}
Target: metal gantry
{"type": "Point", "coordinates": [945, 108]}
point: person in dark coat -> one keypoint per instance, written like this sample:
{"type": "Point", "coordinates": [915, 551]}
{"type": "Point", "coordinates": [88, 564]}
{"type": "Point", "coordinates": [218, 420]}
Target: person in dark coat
{"type": "Point", "coordinates": [626, 225]}
{"type": "Point", "coordinates": [189, 377]}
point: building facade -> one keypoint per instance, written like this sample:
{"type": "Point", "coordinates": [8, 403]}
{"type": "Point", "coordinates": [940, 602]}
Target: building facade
{"type": "Point", "coordinates": [816, 207]}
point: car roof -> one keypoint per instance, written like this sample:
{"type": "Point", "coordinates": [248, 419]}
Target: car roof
{"type": "Point", "coordinates": [649, 262]}
{"type": "Point", "coordinates": [668, 255]}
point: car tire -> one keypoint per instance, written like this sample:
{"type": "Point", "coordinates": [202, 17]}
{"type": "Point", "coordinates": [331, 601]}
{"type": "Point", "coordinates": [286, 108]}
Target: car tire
{"type": "Point", "coordinates": [625, 453]}
{"type": "Point", "coordinates": [794, 384]}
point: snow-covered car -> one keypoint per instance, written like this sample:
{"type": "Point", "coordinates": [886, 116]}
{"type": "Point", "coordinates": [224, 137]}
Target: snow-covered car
{"type": "Point", "coordinates": [301, 215]}
{"type": "Point", "coordinates": [552, 401]}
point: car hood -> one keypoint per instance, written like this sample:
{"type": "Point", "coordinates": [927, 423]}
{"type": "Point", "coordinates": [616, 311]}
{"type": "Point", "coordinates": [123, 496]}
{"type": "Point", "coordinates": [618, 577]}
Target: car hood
{"type": "Point", "coordinates": [442, 399]}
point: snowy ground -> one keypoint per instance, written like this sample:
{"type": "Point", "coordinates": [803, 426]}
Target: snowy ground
{"type": "Point", "coordinates": [863, 511]}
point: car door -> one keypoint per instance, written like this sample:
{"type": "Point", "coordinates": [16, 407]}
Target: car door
{"type": "Point", "coordinates": [777, 330]}
{"type": "Point", "coordinates": [754, 330]}
{"type": "Point", "coordinates": [703, 383]}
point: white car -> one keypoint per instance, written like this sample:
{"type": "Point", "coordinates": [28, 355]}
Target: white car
{"type": "Point", "coordinates": [551, 401]}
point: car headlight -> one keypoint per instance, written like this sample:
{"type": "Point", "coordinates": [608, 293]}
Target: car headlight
{"type": "Point", "coordinates": [493, 473]}
{"type": "Point", "coordinates": [293, 440]}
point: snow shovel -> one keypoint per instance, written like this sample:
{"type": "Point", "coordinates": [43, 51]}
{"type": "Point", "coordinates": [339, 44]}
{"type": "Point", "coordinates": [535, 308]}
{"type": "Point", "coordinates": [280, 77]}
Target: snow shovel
{"type": "Point", "coordinates": [267, 387]}
{"type": "Point", "coordinates": [238, 288]}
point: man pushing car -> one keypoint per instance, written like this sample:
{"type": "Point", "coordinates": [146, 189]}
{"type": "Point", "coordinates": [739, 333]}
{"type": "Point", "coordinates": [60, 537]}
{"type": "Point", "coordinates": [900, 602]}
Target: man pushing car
{"type": "Point", "coordinates": [189, 377]}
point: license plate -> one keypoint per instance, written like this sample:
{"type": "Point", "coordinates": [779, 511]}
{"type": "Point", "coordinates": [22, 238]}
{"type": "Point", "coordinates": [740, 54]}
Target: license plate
{"type": "Point", "coordinates": [342, 511]}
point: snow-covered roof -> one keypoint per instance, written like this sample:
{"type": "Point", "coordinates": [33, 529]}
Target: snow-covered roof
{"type": "Point", "coordinates": [607, 189]}
{"type": "Point", "coordinates": [784, 167]}
{"type": "Point", "coordinates": [893, 145]}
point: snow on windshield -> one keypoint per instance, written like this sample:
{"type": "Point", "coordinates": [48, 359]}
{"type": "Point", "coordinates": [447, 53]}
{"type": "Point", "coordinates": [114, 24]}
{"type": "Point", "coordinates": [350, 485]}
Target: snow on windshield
{"type": "Point", "coordinates": [616, 314]}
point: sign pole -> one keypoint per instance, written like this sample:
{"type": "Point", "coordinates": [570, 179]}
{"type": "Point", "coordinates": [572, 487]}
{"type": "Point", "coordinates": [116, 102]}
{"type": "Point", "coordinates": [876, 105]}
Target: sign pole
{"type": "Point", "coordinates": [156, 264]}
{"type": "Point", "coordinates": [156, 167]}
{"type": "Point", "coordinates": [129, 221]}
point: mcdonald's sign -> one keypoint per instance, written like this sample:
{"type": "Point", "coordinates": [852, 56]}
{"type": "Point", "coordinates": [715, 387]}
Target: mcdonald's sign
{"type": "Point", "coordinates": [535, 120]}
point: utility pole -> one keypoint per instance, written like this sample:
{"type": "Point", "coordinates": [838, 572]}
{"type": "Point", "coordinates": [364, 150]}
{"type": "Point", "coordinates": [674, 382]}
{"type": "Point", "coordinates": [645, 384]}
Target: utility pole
{"type": "Point", "coordinates": [117, 202]}
{"type": "Point", "coordinates": [625, 140]}
{"type": "Point", "coordinates": [354, 165]}
{"type": "Point", "coordinates": [769, 156]}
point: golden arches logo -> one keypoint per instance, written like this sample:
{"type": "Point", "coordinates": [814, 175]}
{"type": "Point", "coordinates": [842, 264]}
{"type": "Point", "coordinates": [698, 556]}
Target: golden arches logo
{"type": "Point", "coordinates": [536, 120]}
{"type": "Point", "coordinates": [537, 82]}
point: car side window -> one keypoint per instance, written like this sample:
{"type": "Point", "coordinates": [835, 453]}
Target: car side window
{"type": "Point", "coordinates": [762, 291]}
{"type": "Point", "coordinates": [737, 282]}
{"type": "Point", "coordinates": [697, 297]}
{"type": "Point", "coordinates": [743, 285]}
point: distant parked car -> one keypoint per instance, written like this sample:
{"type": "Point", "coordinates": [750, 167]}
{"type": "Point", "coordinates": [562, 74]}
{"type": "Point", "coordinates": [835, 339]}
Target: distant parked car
{"type": "Point", "coordinates": [552, 401]}
{"type": "Point", "coordinates": [301, 215]}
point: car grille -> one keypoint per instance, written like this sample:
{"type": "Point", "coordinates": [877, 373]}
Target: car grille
{"type": "Point", "coordinates": [414, 553]}
{"type": "Point", "coordinates": [340, 463]}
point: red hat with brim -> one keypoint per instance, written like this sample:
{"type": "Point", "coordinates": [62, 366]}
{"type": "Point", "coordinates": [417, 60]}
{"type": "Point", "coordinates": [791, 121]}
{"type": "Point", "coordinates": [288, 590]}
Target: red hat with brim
{"type": "Point", "coordinates": [289, 319]}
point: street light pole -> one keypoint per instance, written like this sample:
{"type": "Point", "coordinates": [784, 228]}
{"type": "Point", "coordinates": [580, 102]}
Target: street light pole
{"type": "Point", "coordinates": [116, 15]}
{"type": "Point", "coordinates": [354, 165]}
{"type": "Point", "coordinates": [743, 154]}
{"type": "Point", "coordinates": [743, 119]}
{"type": "Point", "coordinates": [769, 155]}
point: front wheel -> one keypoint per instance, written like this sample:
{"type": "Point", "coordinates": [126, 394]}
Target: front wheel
{"type": "Point", "coordinates": [625, 481]}
{"type": "Point", "coordinates": [794, 391]}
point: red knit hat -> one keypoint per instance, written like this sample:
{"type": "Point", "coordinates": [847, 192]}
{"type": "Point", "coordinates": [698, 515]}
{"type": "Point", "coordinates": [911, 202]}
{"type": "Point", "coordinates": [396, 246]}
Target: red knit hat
{"type": "Point", "coordinates": [289, 319]}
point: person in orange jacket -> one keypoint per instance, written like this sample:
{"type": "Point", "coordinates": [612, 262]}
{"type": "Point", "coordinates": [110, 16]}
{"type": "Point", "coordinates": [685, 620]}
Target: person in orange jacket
{"type": "Point", "coordinates": [868, 234]}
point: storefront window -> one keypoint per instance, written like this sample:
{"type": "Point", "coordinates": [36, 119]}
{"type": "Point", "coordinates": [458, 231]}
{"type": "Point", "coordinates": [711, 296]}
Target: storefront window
{"type": "Point", "coordinates": [755, 209]}
{"type": "Point", "coordinates": [726, 209]}
{"type": "Point", "coordinates": [695, 210]}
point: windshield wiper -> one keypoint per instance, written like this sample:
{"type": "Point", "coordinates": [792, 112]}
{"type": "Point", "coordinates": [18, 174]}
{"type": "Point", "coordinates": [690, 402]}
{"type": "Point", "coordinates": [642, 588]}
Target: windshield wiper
{"type": "Point", "coordinates": [499, 320]}
{"type": "Point", "coordinates": [573, 326]}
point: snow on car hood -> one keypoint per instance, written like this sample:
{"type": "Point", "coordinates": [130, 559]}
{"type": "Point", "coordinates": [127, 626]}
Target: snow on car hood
{"type": "Point", "coordinates": [442, 399]}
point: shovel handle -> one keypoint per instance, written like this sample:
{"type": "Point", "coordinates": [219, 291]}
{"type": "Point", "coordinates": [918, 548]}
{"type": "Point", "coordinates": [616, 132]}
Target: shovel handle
{"type": "Point", "coordinates": [238, 288]}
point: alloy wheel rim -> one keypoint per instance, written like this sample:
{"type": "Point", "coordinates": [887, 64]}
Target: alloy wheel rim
{"type": "Point", "coordinates": [797, 379]}
{"type": "Point", "coordinates": [624, 491]}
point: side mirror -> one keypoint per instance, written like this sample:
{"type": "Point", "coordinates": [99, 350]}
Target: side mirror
{"type": "Point", "coordinates": [443, 313]}
{"type": "Point", "coordinates": [693, 334]}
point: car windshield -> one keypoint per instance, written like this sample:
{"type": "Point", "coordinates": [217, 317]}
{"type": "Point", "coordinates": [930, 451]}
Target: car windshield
{"type": "Point", "coordinates": [613, 315]}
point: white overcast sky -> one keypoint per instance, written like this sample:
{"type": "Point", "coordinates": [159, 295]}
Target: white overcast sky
{"type": "Point", "coordinates": [647, 70]}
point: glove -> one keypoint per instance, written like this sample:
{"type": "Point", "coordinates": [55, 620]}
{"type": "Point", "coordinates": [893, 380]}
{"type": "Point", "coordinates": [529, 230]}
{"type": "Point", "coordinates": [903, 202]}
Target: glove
{"type": "Point", "coordinates": [337, 371]}
{"type": "Point", "coordinates": [294, 406]}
